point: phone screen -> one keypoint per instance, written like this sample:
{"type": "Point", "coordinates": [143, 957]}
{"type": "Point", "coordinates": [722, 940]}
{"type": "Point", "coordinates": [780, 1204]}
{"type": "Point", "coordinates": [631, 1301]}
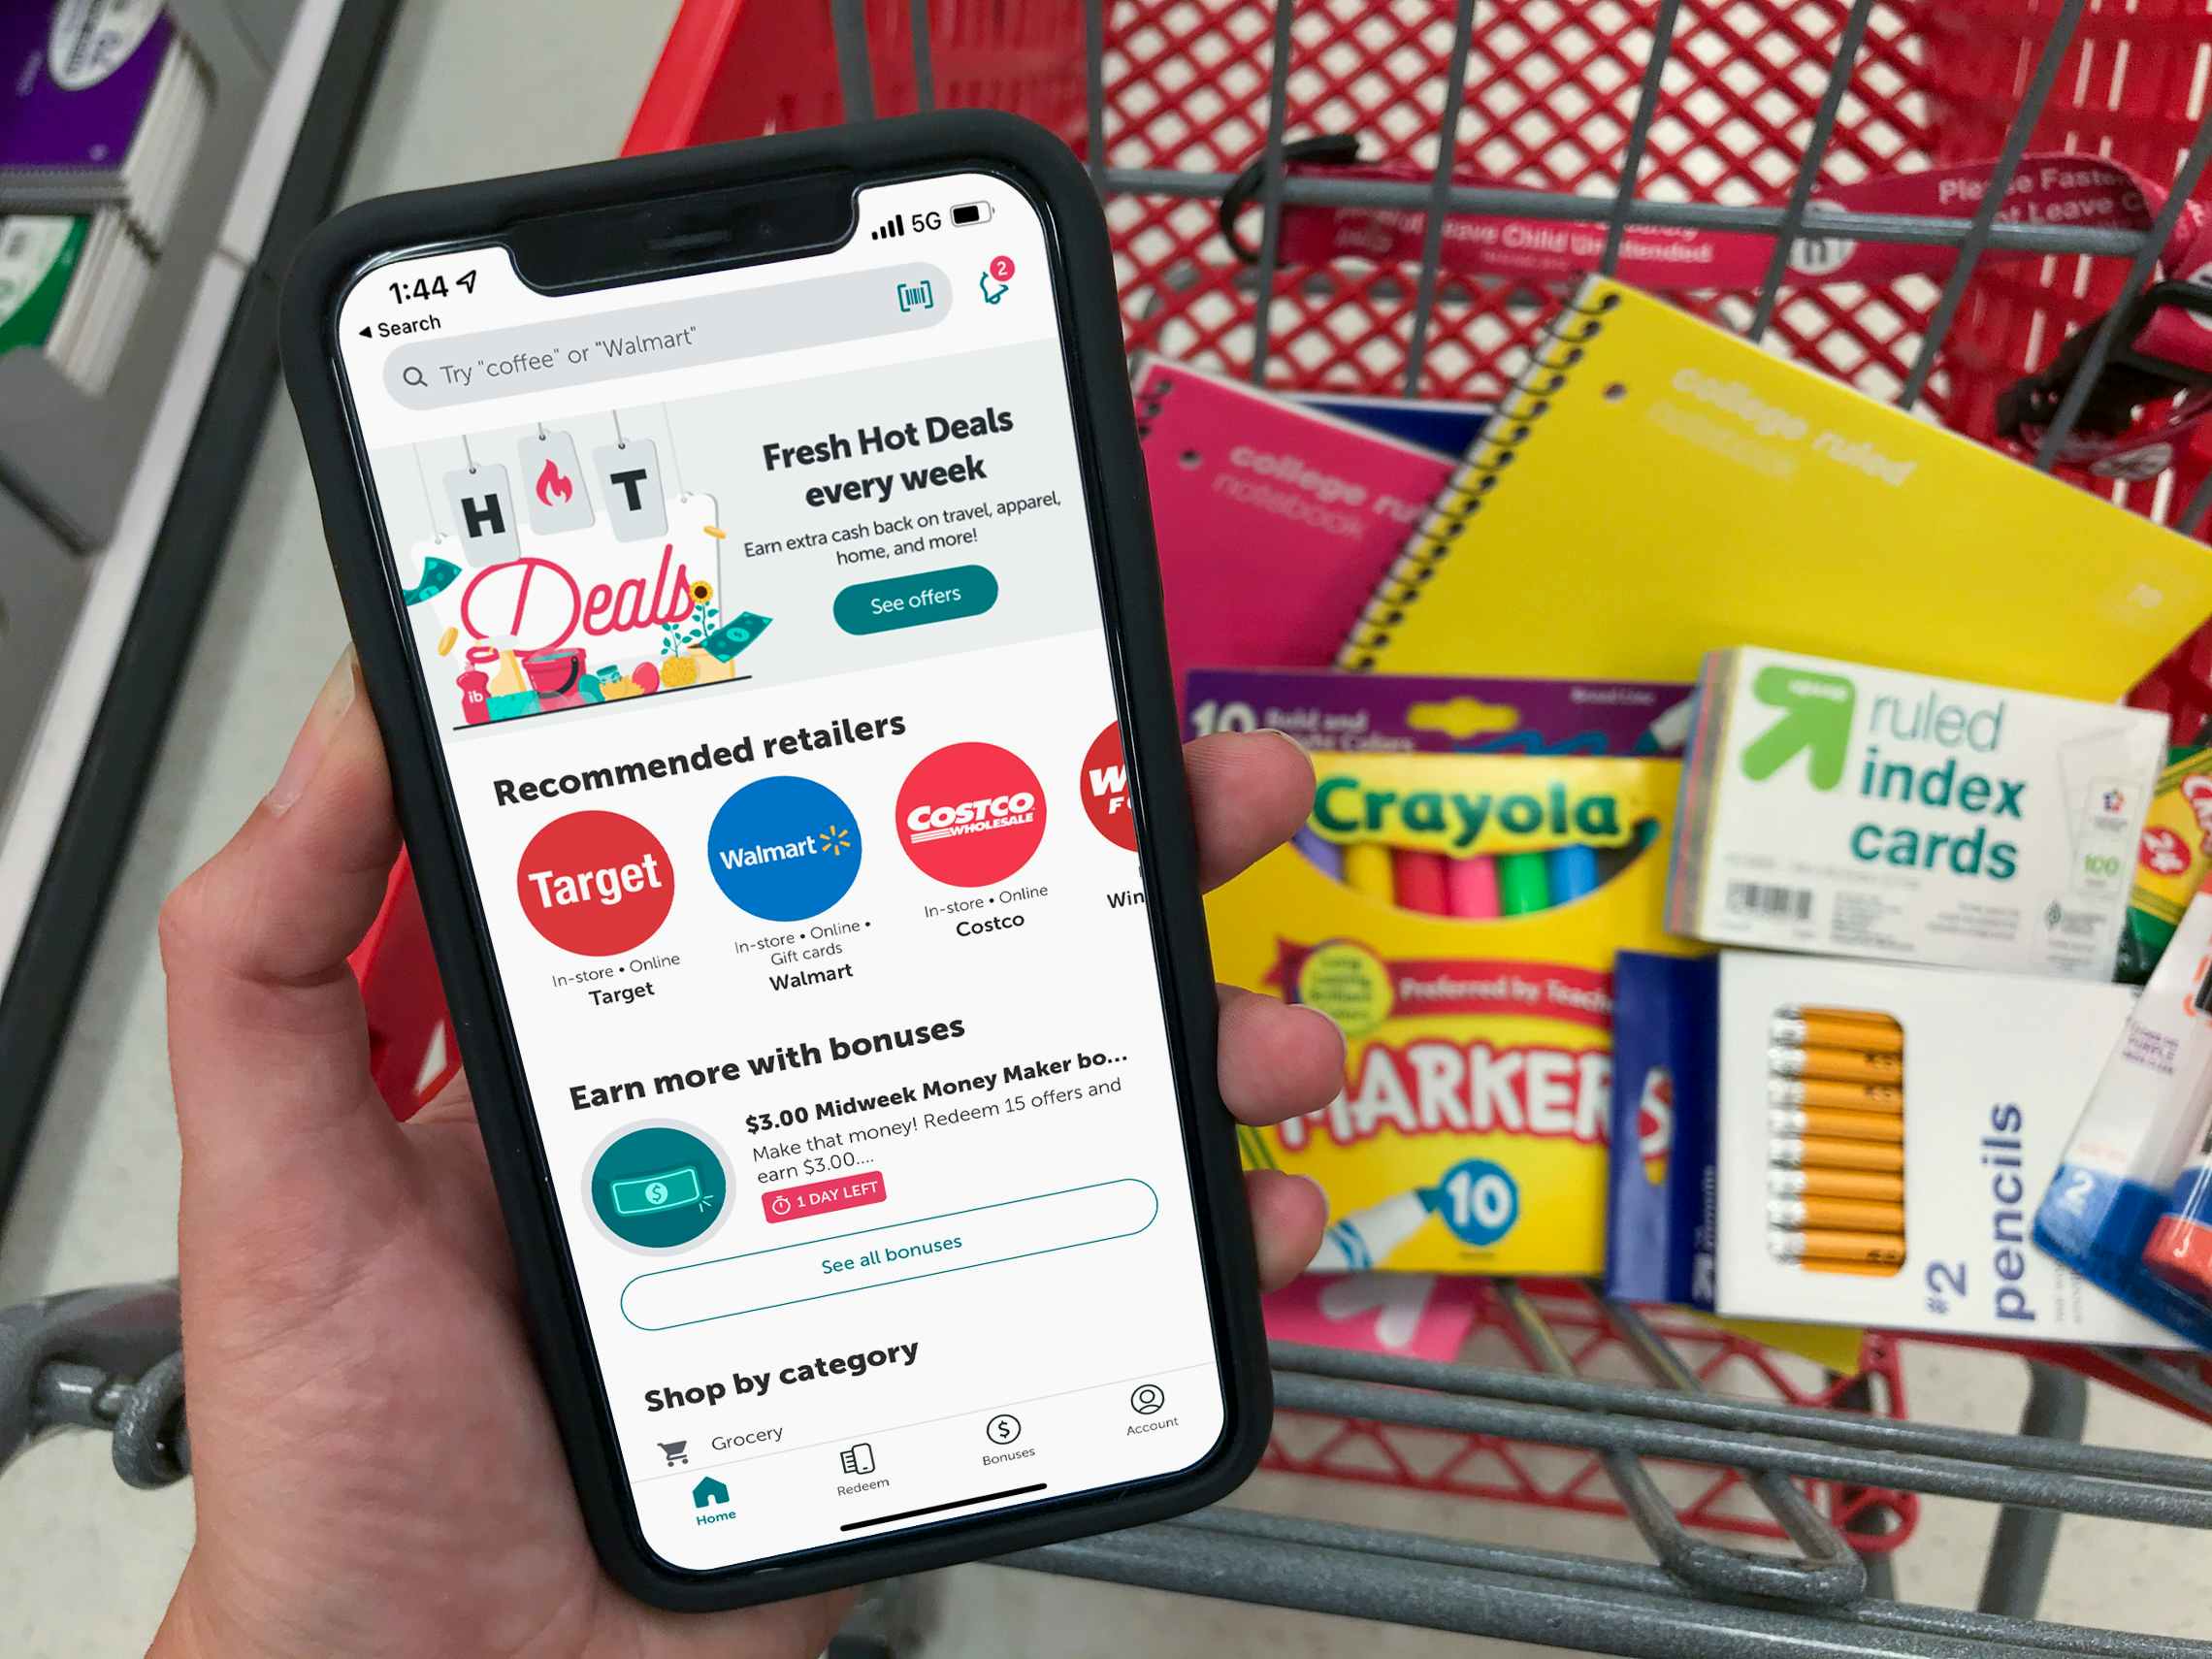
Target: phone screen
{"type": "Point", "coordinates": [758, 618]}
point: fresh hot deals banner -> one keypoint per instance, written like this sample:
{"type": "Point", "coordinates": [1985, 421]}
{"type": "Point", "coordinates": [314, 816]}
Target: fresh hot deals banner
{"type": "Point", "coordinates": [566, 570]}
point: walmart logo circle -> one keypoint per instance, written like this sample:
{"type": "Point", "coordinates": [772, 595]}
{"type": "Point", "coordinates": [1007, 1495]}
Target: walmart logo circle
{"type": "Point", "coordinates": [784, 849]}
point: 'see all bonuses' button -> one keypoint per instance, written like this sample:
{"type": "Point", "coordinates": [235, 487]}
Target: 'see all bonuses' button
{"type": "Point", "coordinates": [910, 601]}
{"type": "Point", "coordinates": [820, 1198]}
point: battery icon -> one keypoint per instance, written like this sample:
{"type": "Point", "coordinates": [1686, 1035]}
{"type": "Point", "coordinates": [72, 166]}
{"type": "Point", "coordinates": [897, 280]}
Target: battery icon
{"type": "Point", "coordinates": [646, 1194]}
{"type": "Point", "coordinates": [971, 212]}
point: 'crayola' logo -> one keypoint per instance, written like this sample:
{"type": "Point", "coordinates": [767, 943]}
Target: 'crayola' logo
{"type": "Point", "coordinates": [1477, 805]}
{"type": "Point", "coordinates": [1816, 710]}
{"type": "Point", "coordinates": [1346, 808]}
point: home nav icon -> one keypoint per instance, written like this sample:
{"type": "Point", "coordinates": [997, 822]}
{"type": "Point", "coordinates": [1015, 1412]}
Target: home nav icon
{"type": "Point", "coordinates": [709, 1490]}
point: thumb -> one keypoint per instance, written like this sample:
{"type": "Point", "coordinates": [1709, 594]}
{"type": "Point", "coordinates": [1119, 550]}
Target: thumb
{"type": "Point", "coordinates": [268, 1042]}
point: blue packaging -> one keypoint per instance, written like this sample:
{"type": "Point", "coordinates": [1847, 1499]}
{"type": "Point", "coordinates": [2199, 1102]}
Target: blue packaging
{"type": "Point", "coordinates": [2125, 1165]}
{"type": "Point", "coordinates": [1664, 1134]}
{"type": "Point", "coordinates": [1445, 428]}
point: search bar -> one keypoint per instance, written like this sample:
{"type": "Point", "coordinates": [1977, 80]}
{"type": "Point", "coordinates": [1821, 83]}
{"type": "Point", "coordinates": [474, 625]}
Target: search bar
{"type": "Point", "coordinates": [680, 333]}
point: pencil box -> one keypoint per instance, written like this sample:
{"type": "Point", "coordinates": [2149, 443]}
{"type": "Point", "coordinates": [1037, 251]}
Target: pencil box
{"type": "Point", "coordinates": [1851, 810]}
{"type": "Point", "coordinates": [1885, 1131]}
{"type": "Point", "coordinates": [1471, 1133]}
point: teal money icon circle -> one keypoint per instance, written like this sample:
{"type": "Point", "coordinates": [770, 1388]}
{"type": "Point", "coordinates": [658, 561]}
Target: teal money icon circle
{"type": "Point", "coordinates": [659, 1186]}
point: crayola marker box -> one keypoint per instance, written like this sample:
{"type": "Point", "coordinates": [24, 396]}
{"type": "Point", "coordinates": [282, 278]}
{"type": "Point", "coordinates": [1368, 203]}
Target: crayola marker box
{"type": "Point", "coordinates": [1885, 1135]}
{"type": "Point", "coordinates": [1847, 811]}
{"type": "Point", "coordinates": [1475, 995]}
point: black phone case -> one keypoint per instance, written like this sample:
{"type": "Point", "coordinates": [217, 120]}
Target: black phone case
{"type": "Point", "coordinates": [1026, 154]}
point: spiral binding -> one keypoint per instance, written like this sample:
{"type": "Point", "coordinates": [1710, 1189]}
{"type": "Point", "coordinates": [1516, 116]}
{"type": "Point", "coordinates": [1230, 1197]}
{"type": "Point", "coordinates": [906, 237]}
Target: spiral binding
{"type": "Point", "coordinates": [1545, 376]}
{"type": "Point", "coordinates": [1151, 399]}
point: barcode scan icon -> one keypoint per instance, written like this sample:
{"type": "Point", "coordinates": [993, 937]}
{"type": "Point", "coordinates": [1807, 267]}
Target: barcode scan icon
{"type": "Point", "coordinates": [916, 297]}
{"type": "Point", "coordinates": [1758, 898]}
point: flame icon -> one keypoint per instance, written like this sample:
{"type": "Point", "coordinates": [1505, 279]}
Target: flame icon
{"type": "Point", "coordinates": [553, 484]}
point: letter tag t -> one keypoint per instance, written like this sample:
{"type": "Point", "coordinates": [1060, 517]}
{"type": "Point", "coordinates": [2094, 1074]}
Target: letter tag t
{"type": "Point", "coordinates": [629, 483]}
{"type": "Point", "coordinates": [483, 512]}
{"type": "Point", "coordinates": [1817, 717]}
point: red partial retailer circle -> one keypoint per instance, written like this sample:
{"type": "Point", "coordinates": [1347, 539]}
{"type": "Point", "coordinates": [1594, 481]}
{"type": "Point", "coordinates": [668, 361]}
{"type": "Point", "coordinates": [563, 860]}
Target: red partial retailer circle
{"type": "Point", "coordinates": [1105, 790]}
{"type": "Point", "coordinates": [2162, 853]}
{"type": "Point", "coordinates": [595, 883]}
{"type": "Point", "coordinates": [971, 814]}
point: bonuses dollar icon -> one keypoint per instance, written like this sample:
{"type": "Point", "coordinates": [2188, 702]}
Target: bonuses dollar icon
{"type": "Point", "coordinates": [642, 1195]}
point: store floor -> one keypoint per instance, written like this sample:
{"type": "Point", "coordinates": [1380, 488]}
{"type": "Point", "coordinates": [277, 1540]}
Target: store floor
{"type": "Point", "coordinates": [473, 88]}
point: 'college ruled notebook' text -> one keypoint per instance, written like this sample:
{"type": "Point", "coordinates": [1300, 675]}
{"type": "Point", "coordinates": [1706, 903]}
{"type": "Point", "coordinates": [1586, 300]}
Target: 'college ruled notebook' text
{"type": "Point", "coordinates": [1657, 488]}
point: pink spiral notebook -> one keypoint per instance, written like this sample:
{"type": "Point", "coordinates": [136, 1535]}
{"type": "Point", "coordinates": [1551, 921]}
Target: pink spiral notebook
{"type": "Point", "coordinates": [1275, 522]}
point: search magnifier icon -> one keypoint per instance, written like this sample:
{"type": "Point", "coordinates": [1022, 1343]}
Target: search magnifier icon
{"type": "Point", "coordinates": [413, 376]}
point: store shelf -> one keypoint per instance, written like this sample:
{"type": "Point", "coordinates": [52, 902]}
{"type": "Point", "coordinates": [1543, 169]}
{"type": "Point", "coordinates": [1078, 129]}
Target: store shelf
{"type": "Point", "coordinates": [67, 454]}
{"type": "Point", "coordinates": [102, 687]}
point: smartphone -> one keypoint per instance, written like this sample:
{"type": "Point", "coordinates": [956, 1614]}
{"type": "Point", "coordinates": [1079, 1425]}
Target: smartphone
{"type": "Point", "coordinates": [748, 555]}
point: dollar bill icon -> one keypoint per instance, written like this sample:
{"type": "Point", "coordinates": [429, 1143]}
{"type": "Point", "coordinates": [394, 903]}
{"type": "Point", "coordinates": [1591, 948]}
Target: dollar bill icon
{"type": "Point", "coordinates": [734, 636]}
{"type": "Point", "coordinates": [643, 1195]}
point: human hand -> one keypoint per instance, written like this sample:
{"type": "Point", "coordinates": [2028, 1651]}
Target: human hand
{"type": "Point", "coordinates": [374, 1463]}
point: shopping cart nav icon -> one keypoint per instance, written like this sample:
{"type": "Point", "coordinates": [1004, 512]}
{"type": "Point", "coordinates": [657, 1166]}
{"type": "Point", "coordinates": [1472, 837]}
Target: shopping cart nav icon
{"type": "Point", "coordinates": [675, 1450]}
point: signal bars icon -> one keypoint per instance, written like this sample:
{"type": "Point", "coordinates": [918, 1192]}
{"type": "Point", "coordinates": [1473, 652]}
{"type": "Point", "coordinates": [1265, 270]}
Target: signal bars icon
{"type": "Point", "coordinates": [895, 225]}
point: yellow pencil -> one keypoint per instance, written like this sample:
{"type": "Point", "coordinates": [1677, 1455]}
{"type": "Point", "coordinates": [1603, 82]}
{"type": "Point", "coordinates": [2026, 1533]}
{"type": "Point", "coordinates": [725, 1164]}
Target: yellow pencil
{"type": "Point", "coordinates": [1820, 1091]}
{"type": "Point", "coordinates": [1821, 1152]}
{"type": "Point", "coordinates": [1863, 1269]}
{"type": "Point", "coordinates": [1842, 1016]}
{"type": "Point", "coordinates": [1822, 1029]}
{"type": "Point", "coordinates": [1830, 1125]}
{"type": "Point", "coordinates": [1850, 1214]}
{"type": "Point", "coordinates": [1824, 1245]}
{"type": "Point", "coordinates": [1366, 869]}
{"type": "Point", "coordinates": [1837, 1065]}
{"type": "Point", "coordinates": [1818, 1183]}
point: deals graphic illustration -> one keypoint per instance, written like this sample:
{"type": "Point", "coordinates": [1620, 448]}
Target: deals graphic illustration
{"type": "Point", "coordinates": [556, 583]}
{"type": "Point", "coordinates": [784, 849]}
{"type": "Point", "coordinates": [970, 814]}
{"type": "Point", "coordinates": [595, 883]}
{"type": "Point", "coordinates": [659, 1186]}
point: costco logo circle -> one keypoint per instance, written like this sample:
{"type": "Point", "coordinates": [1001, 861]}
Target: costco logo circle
{"type": "Point", "coordinates": [971, 814]}
{"type": "Point", "coordinates": [595, 883]}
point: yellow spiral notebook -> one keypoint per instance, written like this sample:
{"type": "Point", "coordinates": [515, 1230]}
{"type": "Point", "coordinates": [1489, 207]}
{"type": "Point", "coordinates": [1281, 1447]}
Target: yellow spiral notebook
{"type": "Point", "coordinates": [1656, 488]}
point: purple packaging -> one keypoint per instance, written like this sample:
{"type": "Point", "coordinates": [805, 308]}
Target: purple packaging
{"type": "Point", "coordinates": [1424, 714]}
{"type": "Point", "coordinates": [78, 76]}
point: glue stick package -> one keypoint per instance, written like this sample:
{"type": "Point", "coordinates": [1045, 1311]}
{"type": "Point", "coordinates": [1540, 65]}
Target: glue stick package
{"type": "Point", "coordinates": [2126, 1173]}
{"type": "Point", "coordinates": [1457, 915]}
